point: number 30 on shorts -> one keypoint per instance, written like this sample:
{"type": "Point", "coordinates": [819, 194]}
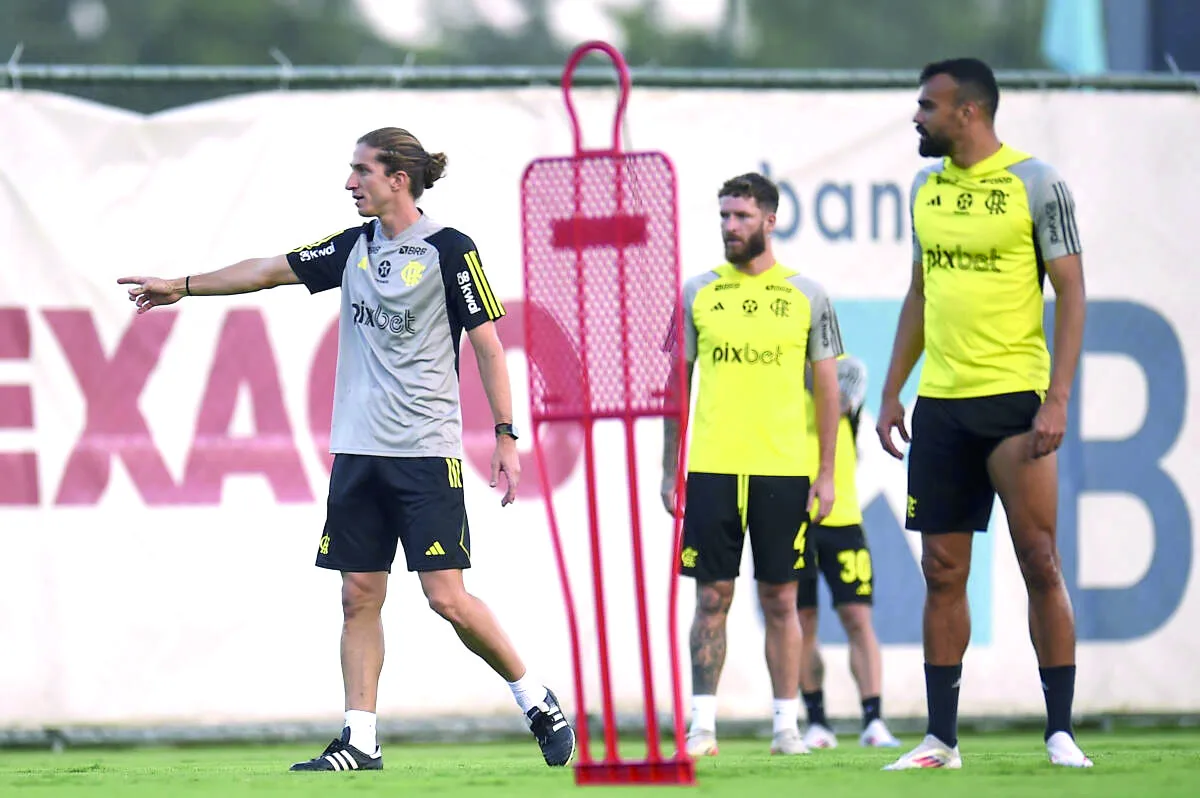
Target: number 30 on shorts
{"type": "Point", "coordinates": [856, 565]}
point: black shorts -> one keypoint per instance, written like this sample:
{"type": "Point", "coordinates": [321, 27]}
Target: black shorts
{"type": "Point", "coordinates": [949, 489]}
{"type": "Point", "coordinates": [843, 558]}
{"type": "Point", "coordinates": [719, 510]}
{"type": "Point", "coordinates": [377, 502]}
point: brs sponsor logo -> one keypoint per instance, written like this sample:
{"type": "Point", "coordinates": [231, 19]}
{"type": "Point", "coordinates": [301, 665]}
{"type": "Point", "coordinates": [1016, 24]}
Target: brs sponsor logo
{"type": "Point", "coordinates": [402, 322]}
{"type": "Point", "coordinates": [312, 254]}
{"type": "Point", "coordinates": [464, 285]}
{"type": "Point", "coordinates": [747, 354]}
{"type": "Point", "coordinates": [409, 249]}
{"type": "Point", "coordinates": [960, 259]}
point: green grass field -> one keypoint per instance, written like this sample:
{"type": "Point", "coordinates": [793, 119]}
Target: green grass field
{"type": "Point", "coordinates": [1127, 763]}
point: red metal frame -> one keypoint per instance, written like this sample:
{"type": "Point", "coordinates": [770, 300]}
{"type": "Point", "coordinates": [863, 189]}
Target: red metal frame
{"type": "Point", "coordinates": [655, 769]}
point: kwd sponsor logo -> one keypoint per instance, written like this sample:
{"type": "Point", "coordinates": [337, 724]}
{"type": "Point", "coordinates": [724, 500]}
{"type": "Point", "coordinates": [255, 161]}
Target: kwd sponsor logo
{"type": "Point", "coordinates": [468, 291]}
{"type": "Point", "coordinates": [312, 254]}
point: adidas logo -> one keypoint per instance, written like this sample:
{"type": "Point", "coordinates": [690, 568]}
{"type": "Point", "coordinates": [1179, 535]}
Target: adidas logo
{"type": "Point", "coordinates": [935, 201]}
{"type": "Point", "coordinates": [342, 760]}
{"type": "Point", "coordinates": [554, 713]}
{"type": "Point", "coordinates": [435, 550]}
{"type": "Point", "coordinates": [718, 306]}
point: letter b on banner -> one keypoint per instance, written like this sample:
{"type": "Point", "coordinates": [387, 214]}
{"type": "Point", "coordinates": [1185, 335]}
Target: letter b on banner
{"type": "Point", "coordinates": [1132, 466]}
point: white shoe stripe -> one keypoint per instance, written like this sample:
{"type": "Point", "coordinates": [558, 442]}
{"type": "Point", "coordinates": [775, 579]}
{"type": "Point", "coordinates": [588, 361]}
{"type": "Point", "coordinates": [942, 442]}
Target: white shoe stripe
{"type": "Point", "coordinates": [348, 758]}
{"type": "Point", "coordinates": [333, 760]}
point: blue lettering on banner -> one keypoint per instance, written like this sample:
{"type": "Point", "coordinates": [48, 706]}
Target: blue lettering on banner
{"type": "Point", "coordinates": [836, 214]}
{"type": "Point", "coordinates": [1131, 466]}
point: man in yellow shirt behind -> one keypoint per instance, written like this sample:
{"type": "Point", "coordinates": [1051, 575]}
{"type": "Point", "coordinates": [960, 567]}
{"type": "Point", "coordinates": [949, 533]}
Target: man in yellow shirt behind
{"type": "Point", "coordinates": [752, 328]}
{"type": "Point", "coordinates": [839, 547]}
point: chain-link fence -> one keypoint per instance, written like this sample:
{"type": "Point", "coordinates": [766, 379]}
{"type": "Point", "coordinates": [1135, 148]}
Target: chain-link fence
{"type": "Point", "coordinates": [155, 88]}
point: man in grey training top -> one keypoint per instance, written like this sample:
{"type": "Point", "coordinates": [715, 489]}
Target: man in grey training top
{"type": "Point", "coordinates": [409, 288]}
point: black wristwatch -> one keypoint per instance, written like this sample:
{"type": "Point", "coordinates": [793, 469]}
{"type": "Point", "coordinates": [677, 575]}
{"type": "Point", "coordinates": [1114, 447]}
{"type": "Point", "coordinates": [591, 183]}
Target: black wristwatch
{"type": "Point", "coordinates": [507, 429]}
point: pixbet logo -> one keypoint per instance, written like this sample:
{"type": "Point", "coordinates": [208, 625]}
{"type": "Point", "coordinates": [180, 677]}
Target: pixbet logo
{"type": "Point", "coordinates": [747, 354]}
{"type": "Point", "coordinates": [958, 258]}
{"type": "Point", "coordinates": [400, 322]}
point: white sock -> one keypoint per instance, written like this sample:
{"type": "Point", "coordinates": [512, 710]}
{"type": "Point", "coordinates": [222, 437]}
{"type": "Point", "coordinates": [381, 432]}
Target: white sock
{"type": "Point", "coordinates": [362, 730]}
{"type": "Point", "coordinates": [704, 713]}
{"type": "Point", "coordinates": [786, 712]}
{"type": "Point", "coordinates": [528, 692]}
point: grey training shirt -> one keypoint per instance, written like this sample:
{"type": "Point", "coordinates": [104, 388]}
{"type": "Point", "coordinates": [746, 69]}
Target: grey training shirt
{"type": "Point", "coordinates": [405, 303]}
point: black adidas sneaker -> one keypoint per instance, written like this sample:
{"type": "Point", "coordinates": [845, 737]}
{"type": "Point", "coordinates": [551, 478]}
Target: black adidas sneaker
{"type": "Point", "coordinates": [340, 755]}
{"type": "Point", "coordinates": [554, 734]}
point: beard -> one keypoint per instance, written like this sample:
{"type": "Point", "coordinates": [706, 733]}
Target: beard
{"type": "Point", "coordinates": [739, 254]}
{"type": "Point", "coordinates": [933, 146]}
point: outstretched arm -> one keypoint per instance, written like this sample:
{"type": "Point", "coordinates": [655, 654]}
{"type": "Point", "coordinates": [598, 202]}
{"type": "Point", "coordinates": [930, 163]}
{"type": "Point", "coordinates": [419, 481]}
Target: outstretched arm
{"type": "Point", "coordinates": [242, 277]}
{"type": "Point", "coordinates": [319, 266]}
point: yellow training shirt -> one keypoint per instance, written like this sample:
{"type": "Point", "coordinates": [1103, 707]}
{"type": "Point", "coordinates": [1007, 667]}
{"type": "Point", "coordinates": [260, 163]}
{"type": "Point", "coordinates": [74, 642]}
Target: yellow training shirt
{"type": "Point", "coordinates": [983, 236]}
{"type": "Point", "coordinates": [750, 338]}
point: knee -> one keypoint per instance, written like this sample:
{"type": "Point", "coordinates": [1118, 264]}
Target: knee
{"type": "Point", "coordinates": [361, 597]}
{"type": "Point", "coordinates": [1041, 567]}
{"type": "Point", "coordinates": [943, 573]}
{"type": "Point", "coordinates": [449, 604]}
{"type": "Point", "coordinates": [808, 621]}
{"type": "Point", "coordinates": [856, 620]}
{"type": "Point", "coordinates": [778, 602]}
{"type": "Point", "coordinates": [713, 599]}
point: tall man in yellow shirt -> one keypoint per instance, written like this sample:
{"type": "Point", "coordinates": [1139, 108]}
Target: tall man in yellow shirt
{"type": "Point", "coordinates": [752, 326]}
{"type": "Point", "coordinates": [990, 223]}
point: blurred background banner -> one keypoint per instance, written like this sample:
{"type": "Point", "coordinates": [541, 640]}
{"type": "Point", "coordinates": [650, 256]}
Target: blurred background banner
{"type": "Point", "coordinates": [163, 477]}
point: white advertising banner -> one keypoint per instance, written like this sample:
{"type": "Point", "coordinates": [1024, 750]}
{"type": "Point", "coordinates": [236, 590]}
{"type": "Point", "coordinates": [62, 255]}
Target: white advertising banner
{"type": "Point", "coordinates": [162, 478]}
